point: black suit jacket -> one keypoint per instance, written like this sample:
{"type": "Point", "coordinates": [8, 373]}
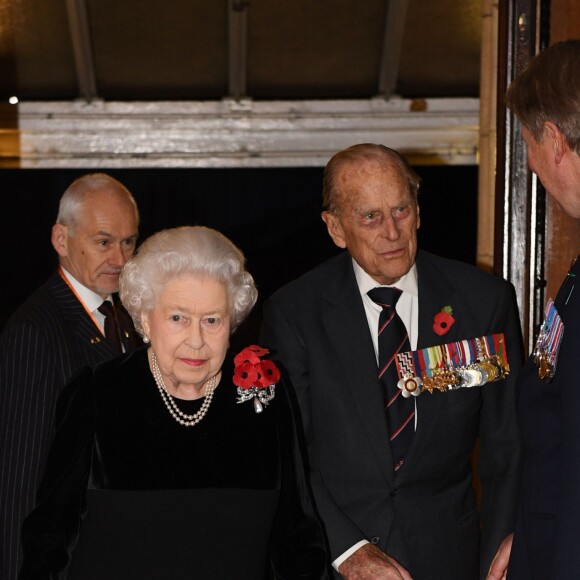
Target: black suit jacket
{"type": "Point", "coordinates": [47, 340]}
{"type": "Point", "coordinates": [426, 515]}
{"type": "Point", "coordinates": [548, 525]}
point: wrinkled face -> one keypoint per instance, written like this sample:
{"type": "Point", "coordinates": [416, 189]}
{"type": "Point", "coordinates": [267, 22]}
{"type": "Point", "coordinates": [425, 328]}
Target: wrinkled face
{"type": "Point", "coordinates": [102, 240]}
{"type": "Point", "coordinates": [189, 329]}
{"type": "Point", "coordinates": [554, 175]}
{"type": "Point", "coordinates": [376, 220]}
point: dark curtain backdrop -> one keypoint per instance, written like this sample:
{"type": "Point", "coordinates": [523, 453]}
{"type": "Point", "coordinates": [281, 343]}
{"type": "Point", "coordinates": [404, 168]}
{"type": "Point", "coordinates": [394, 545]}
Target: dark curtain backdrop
{"type": "Point", "coordinates": [273, 215]}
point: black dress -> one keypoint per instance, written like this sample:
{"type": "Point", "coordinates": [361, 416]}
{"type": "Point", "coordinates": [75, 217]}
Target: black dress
{"type": "Point", "coordinates": [129, 493]}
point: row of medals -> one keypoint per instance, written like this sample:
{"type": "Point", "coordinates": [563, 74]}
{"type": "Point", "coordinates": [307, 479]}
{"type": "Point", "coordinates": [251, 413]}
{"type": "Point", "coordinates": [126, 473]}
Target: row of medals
{"type": "Point", "coordinates": [542, 357]}
{"type": "Point", "coordinates": [474, 375]}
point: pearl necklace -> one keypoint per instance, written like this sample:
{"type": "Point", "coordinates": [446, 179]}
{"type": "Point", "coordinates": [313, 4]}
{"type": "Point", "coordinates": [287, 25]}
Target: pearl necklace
{"type": "Point", "coordinates": [181, 417]}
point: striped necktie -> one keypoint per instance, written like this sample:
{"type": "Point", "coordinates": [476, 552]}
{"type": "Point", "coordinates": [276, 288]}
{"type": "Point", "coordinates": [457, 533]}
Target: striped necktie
{"type": "Point", "coordinates": [392, 339]}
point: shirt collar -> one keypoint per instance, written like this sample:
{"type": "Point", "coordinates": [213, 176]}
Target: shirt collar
{"type": "Point", "coordinates": [407, 283]}
{"type": "Point", "coordinates": [91, 299]}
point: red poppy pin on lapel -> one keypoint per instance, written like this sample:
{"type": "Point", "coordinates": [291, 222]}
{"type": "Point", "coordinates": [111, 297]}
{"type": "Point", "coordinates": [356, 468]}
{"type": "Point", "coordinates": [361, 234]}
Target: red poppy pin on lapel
{"type": "Point", "coordinates": [255, 377]}
{"type": "Point", "coordinates": [443, 321]}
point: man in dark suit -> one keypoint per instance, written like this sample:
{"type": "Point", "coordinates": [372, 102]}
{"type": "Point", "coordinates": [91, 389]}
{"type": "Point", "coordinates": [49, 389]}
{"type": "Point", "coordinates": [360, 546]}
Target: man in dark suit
{"type": "Point", "coordinates": [55, 332]}
{"type": "Point", "coordinates": [546, 100]}
{"type": "Point", "coordinates": [416, 517]}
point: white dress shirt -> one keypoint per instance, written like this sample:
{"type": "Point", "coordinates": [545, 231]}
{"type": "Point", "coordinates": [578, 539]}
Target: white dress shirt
{"type": "Point", "coordinates": [407, 305]}
{"type": "Point", "coordinates": [89, 299]}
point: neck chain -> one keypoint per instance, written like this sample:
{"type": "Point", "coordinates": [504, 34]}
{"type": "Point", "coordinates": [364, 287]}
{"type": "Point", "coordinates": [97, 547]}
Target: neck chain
{"type": "Point", "coordinates": [181, 417]}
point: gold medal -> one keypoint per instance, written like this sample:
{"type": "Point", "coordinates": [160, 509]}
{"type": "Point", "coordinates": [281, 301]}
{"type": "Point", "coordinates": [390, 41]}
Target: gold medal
{"type": "Point", "coordinates": [428, 384]}
{"type": "Point", "coordinates": [544, 367]}
{"type": "Point", "coordinates": [490, 369]}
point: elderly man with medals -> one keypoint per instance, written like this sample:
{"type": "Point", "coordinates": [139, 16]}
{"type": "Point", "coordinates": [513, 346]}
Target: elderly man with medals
{"type": "Point", "coordinates": [400, 360]}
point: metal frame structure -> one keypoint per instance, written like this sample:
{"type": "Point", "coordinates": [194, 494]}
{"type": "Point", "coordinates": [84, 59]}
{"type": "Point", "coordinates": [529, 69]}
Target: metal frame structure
{"type": "Point", "coordinates": [235, 133]}
{"type": "Point", "coordinates": [82, 48]}
{"type": "Point", "coordinates": [392, 44]}
{"type": "Point", "coordinates": [520, 200]}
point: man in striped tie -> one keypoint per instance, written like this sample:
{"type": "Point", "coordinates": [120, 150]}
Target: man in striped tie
{"type": "Point", "coordinates": [58, 330]}
{"type": "Point", "coordinates": [392, 473]}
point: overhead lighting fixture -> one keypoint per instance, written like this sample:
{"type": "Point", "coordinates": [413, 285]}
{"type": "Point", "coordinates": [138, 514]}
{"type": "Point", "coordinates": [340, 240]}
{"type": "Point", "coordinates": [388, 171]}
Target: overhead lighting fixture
{"type": "Point", "coordinates": [13, 100]}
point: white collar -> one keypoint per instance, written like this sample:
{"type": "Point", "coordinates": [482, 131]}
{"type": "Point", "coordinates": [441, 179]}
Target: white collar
{"type": "Point", "coordinates": [407, 283]}
{"type": "Point", "coordinates": [91, 299]}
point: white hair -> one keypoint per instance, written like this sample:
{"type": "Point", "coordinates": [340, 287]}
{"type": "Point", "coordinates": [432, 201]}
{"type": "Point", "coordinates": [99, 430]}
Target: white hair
{"type": "Point", "coordinates": [195, 250]}
{"type": "Point", "coordinates": [72, 200]}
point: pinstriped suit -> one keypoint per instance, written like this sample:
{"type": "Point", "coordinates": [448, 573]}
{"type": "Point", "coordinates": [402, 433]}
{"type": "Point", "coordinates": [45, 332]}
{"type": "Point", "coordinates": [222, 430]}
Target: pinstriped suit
{"type": "Point", "coordinates": [48, 339]}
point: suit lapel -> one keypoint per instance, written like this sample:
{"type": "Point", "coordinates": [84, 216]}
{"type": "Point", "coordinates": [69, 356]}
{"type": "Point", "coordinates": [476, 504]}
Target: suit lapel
{"type": "Point", "coordinates": [77, 319]}
{"type": "Point", "coordinates": [129, 336]}
{"type": "Point", "coordinates": [435, 292]}
{"type": "Point", "coordinates": [345, 321]}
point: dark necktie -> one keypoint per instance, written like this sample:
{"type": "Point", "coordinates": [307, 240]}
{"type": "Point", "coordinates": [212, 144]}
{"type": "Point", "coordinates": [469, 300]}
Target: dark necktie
{"type": "Point", "coordinates": [111, 326]}
{"type": "Point", "coordinates": [393, 339]}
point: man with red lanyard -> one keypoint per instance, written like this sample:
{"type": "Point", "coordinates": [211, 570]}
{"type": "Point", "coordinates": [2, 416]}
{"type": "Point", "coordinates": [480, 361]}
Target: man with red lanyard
{"type": "Point", "coordinates": [70, 322]}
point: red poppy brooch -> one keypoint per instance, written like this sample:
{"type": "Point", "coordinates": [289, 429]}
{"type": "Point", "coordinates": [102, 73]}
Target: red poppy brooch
{"type": "Point", "coordinates": [255, 377]}
{"type": "Point", "coordinates": [443, 321]}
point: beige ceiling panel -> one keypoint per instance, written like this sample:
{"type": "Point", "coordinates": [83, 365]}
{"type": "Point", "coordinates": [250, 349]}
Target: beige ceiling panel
{"type": "Point", "coordinates": [313, 49]}
{"type": "Point", "coordinates": [441, 49]}
{"type": "Point", "coordinates": [36, 59]}
{"type": "Point", "coordinates": [147, 49]}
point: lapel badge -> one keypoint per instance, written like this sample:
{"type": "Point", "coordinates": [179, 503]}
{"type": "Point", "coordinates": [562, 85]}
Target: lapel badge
{"type": "Point", "coordinates": [410, 385]}
{"type": "Point", "coordinates": [95, 340]}
{"type": "Point", "coordinates": [443, 321]}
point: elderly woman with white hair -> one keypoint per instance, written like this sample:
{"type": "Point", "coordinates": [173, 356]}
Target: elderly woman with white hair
{"type": "Point", "coordinates": [178, 460]}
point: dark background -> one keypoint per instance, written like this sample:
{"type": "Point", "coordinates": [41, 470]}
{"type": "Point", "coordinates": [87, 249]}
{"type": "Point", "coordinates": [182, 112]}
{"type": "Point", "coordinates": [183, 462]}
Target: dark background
{"type": "Point", "coordinates": [273, 215]}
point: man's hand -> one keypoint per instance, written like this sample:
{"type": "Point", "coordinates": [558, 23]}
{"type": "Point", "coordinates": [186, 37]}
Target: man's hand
{"type": "Point", "coordinates": [369, 563]}
{"type": "Point", "coordinates": [498, 568]}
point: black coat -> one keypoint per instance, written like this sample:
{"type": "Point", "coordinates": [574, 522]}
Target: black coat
{"type": "Point", "coordinates": [548, 525]}
{"type": "Point", "coordinates": [47, 340]}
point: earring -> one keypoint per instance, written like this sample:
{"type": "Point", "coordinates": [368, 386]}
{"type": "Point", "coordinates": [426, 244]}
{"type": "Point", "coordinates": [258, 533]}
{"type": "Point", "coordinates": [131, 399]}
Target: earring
{"type": "Point", "coordinates": [146, 339]}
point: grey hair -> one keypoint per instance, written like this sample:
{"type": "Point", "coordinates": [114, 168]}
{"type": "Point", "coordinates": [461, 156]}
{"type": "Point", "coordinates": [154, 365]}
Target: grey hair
{"type": "Point", "coordinates": [172, 253]}
{"type": "Point", "coordinates": [549, 90]}
{"type": "Point", "coordinates": [72, 200]}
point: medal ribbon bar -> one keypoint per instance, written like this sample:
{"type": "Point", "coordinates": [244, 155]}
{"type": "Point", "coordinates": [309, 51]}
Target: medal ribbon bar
{"type": "Point", "coordinates": [455, 365]}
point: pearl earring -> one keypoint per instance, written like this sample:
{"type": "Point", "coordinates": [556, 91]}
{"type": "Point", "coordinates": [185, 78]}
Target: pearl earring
{"type": "Point", "coordinates": [146, 339]}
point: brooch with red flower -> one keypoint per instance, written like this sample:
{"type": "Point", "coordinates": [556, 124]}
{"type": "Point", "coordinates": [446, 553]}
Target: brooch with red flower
{"type": "Point", "coordinates": [443, 321]}
{"type": "Point", "coordinates": [255, 377]}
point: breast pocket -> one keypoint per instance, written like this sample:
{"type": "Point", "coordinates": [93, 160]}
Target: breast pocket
{"type": "Point", "coordinates": [464, 398]}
